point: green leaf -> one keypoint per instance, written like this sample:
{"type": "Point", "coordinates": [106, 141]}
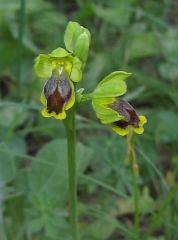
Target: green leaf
{"type": "Point", "coordinates": [57, 228]}
{"type": "Point", "coordinates": [17, 145]}
{"type": "Point", "coordinates": [168, 71]}
{"type": "Point", "coordinates": [118, 16]}
{"type": "Point", "coordinates": [157, 238]}
{"type": "Point", "coordinates": [143, 45]}
{"type": "Point", "coordinates": [48, 187]}
{"type": "Point", "coordinates": [36, 225]}
{"type": "Point", "coordinates": [106, 223]}
{"type": "Point", "coordinates": [27, 40]}
{"type": "Point", "coordinates": [146, 203]}
{"type": "Point", "coordinates": [7, 165]}
{"type": "Point", "coordinates": [13, 114]}
{"type": "Point", "coordinates": [48, 176]}
{"type": "Point", "coordinates": [166, 126]}
{"type": "Point", "coordinates": [51, 222]}
{"type": "Point", "coordinates": [169, 43]}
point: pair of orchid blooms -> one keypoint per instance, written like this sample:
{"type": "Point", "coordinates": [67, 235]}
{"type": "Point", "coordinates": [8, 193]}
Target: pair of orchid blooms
{"type": "Point", "coordinates": [63, 69]}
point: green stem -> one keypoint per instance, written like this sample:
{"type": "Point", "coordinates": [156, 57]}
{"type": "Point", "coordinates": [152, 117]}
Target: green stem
{"type": "Point", "coordinates": [135, 172]}
{"type": "Point", "coordinates": [136, 204]}
{"type": "Point", "coordinates": [20, 39]}
{"type": "Point", "coordinates": [87, 97]}
{"type": "Point", "coordinates": [71, 135]}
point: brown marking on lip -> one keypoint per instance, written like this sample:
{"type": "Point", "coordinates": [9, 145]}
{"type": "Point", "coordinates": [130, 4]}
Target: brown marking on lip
{"type": "Point", "coordinates": [134, 120]}
{"type": "Point", "coordinates": [55, 102]}
{"type": "Point", "coordinates": [121, 123]}
{"type": "Point", "coordinates": [128, 112]}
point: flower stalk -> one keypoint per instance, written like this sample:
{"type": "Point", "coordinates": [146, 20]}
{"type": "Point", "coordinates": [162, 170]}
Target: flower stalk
{"type": "Point", "coordinates": [136, 204]}
{"type": "Point", "coordinates": [135, 173]}
{"type": "Point", "coordinates": [72, 175]}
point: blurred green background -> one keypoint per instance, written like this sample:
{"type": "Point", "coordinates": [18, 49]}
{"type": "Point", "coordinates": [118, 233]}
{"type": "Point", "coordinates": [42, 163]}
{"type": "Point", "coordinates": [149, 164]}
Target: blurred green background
{"type": "Point", "coordinates": [137, 36]}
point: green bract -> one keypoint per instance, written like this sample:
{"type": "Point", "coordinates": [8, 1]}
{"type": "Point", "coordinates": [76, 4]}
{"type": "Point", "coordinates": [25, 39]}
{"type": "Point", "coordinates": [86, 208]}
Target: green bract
{"type": "Point", "coordinates": [77, 40]}
{"type": "Point", "coordinates": [45, 64]}
{"type": "Point", "coordinates": [105, 93]}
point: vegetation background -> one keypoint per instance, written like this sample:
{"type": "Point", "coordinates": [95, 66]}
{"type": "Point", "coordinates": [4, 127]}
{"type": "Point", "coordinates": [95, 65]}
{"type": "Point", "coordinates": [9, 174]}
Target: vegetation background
{"type": "Point", "coordinates": [137, 36]}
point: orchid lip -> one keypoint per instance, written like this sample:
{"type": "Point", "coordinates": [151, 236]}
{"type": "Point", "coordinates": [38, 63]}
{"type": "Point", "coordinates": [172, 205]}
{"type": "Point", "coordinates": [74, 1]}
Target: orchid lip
{"type": "Point", "coordinates": [57, 91]}
{"type": "Point", "coordinates": [127, 111]}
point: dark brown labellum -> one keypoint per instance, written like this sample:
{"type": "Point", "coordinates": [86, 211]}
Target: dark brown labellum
{"type": "Point", "coordinates": [127, 111]}
{"type": "Point", "coordinates": [57, 91]}
{"type": "Point", "coordinates": [55, 102]}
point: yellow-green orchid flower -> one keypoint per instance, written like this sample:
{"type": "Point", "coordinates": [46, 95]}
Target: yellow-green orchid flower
{"type": "Point", "coordinates": [61, 69]}
{"type": "Point", "coordinates": [111, 110]}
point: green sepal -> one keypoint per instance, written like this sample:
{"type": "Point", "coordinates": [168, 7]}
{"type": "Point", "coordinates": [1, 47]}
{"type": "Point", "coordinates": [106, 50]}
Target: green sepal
{"type": "Point", "coordinates": [105, 113]}
{"type": "Point", "coordinates": [77, 40]}
{"type": "Point", "coordinates": [43, 66]}
{"type": "Point", "coordinates": [59, 53]}
{"type": "Point", "coordinates": [112, 85]}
